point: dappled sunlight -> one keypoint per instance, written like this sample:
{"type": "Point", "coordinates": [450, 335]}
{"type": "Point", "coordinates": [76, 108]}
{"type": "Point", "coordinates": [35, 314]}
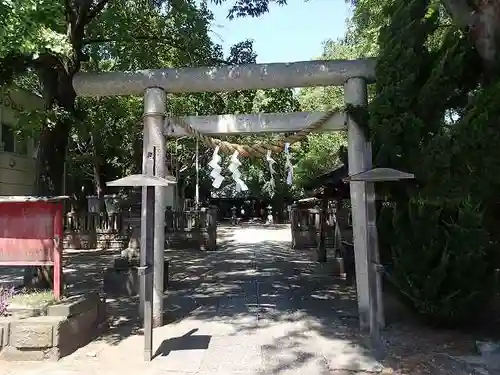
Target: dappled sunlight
{"type": "Point", "coordinates": [254, 297]}
{"type": "Point", "coordinates": [229, 274]}
{"type": "Point", "coordinates": [302, 348]}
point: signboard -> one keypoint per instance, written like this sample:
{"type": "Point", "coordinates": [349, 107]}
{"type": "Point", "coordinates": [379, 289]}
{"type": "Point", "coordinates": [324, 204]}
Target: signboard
{"type": "Point", "coordinates": [31, 232]}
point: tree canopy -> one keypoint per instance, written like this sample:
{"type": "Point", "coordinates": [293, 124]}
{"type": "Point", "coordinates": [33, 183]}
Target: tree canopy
{"type": "Point", "coordinates": [45, 43]}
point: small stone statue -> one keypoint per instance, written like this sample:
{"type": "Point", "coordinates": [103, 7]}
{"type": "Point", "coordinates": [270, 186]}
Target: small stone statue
{"type": "Point", "coordinates": [234, 220]}
{"type": "Point", "coordinates": [270, 218]}
{"type": "Point", "coordinates": [134, 244]}
{"type": "Point", "coordinates": [132, 252]}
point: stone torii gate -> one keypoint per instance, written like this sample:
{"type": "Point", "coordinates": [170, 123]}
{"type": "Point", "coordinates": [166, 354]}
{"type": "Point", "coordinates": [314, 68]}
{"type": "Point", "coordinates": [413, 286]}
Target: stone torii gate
{"type": "Point", "coordinates": [354, 75]}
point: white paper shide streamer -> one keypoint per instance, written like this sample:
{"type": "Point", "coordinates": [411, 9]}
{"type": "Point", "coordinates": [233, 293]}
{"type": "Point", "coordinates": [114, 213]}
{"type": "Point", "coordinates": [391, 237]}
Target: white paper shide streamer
{"type": "Point", "coordinates": [216, 169]}
{"type": "Point", "coordinates": [271, 163]}
{"type": "Point", "coordinates": [233, 167]}
{"type": "Point", "coordinates": [288, 164]}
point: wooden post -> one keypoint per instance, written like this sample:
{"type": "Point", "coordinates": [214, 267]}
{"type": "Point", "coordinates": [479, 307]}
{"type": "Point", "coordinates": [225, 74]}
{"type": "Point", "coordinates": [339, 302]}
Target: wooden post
{"type": "Point", "coordinates": [147, 271]}
{"type": "Point", "coordinates": [294, 225]}
{"type": "Point", "coordinates": [169, 226]}
{"type": "Point", "coordinates": [154, 165]}
{"type": "Point", "coordinates": [313, 228]}
{"type": "Point", "coordinates": [336, 233]}
{"type": "Point", "coordinates": [376, 275]}
{"type": "Point", "coordinates": [147, 256]}
{"type": "Point", "coordinates": [321, 249]}
{"type": "Point", "coordinates": [169, 219]}
{"type": "Point", "coordinates": [212, 228]}
{"type": "Point", "coordinates": [58, 248]}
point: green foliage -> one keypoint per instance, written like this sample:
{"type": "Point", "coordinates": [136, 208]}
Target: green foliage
{"type": "Point", "coordinates": [326, 98]}
{"type": "Point", "coordinates": [250, 8]}
{"type": "Point", "coordinates": [430, 116]}
{"type": "Point", "coordinates": [368, 18]}
{"type": "Point", "coordinates": [403, 66]}
{"type": "Point", "coordinates": [441, 258]}
{"type": "Point", "coordinates": [319, 153]}
{"type": "Point", "coordinates": [32, 27]}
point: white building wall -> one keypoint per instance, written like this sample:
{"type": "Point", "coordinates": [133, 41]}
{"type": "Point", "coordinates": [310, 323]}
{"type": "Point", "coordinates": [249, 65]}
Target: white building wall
{"type": "Point", "coordinates": [17, 165]}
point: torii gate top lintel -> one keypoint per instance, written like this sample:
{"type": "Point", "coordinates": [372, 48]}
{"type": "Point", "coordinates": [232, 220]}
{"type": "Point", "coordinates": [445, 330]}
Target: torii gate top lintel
{"type": "Point", "coordinates": [225, 78]}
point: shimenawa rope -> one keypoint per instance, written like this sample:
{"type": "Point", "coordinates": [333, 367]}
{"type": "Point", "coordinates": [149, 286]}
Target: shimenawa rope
{"type": "Point", "coordinates": [257, 150]}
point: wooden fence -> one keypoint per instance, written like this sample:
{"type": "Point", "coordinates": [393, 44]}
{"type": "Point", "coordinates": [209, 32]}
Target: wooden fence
{"type": "Point", "coordinates": [305, 225]}
{"type": "Point", "coordinates": [86, 231]}
{"type": "Point", "coordinates": [183, 229]}
{"type": "Point", "coordinates": [306, 228]}
{"type": "Point", "coordinates": [191, 229]}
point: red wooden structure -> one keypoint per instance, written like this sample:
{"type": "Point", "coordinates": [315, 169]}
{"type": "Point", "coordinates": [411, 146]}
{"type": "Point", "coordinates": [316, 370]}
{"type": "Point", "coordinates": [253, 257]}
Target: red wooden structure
{"type": "Point", "coordinates": [31, 233]}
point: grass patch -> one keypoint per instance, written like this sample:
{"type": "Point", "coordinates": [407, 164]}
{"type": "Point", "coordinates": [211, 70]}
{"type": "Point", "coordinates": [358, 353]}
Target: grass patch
{"type": "Point", "coordinates": [33, 298]}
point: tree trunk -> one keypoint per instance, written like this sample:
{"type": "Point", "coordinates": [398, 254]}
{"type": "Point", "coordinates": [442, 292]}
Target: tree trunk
{"type": "Point", "coordinates": [51, 156]}
{"type": "Point", "coordinates": [99, 169]}
{"type": "Point", "coordinates": [50, 160]}
{"type": "Point", "coordinates": [482, 24]}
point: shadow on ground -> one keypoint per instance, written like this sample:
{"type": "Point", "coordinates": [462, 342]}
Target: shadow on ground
{"type": "Point", "coordinates": [254, 306]}
{"type": "Point", "coordinates": [287, 307]}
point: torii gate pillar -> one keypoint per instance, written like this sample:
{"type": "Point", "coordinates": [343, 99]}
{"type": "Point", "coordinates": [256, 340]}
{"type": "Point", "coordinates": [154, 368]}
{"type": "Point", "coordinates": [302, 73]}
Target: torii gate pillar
{"type": "Point", "coordinates": [153, 164]}
{"type": "Point", "coordinates": [368, 284]}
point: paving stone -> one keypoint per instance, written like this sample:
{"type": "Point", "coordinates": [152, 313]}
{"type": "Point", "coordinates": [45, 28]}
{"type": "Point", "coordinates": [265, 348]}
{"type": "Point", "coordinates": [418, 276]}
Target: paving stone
{"type": "Point", "coordinates": [297, 364]}
{"type": "Point", "coordinates": [181, 361]}
{"type": "Point", "coordinates": [232, 354]}
{"type": "Point", "coordinates": [293, 360]}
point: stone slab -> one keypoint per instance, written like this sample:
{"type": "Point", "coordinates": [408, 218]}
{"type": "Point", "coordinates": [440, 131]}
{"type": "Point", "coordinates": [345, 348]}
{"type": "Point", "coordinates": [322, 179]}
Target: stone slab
{"type": "Point", "coordinates": [74, 305]}
{"type": "Point", "coordinates": [32, 333]}
{"type": "Point", "coordinates": [77, 331]}
{"type": "Point", "coordinates": [10, 353]}
{"type": "Point", "coordinates": [458, 366]}
{"type": "Point", "coordinates": [22, 312]}
{"type": "Point", "coordinates": [49, 337]}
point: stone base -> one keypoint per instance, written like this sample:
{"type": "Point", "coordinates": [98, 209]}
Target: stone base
{"type": "Point", "coordinates": [79, 241]}
{"type": "Point", "coordinates": [111, 241]}
{"type": "Point", "coordinates": [125, 281]}
{"type": "Point", "coordinates": [66, 327]}
{"type": "Point", "coordinates": [90, 241]}
{"type": "Point", "coordinates": [338, 267]}
{"type": "Point", "coordinates": [191, 239]}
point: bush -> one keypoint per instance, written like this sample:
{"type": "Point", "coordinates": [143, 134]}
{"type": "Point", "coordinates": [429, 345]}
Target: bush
{"type": "Point", "coordinates": [441, 259]}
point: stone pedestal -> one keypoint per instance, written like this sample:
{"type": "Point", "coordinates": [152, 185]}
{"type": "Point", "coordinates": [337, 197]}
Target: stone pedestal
{"type": "Point", "coordinates": [52, 331]}
{"type": "Point", "coordinates": [123, 279]}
